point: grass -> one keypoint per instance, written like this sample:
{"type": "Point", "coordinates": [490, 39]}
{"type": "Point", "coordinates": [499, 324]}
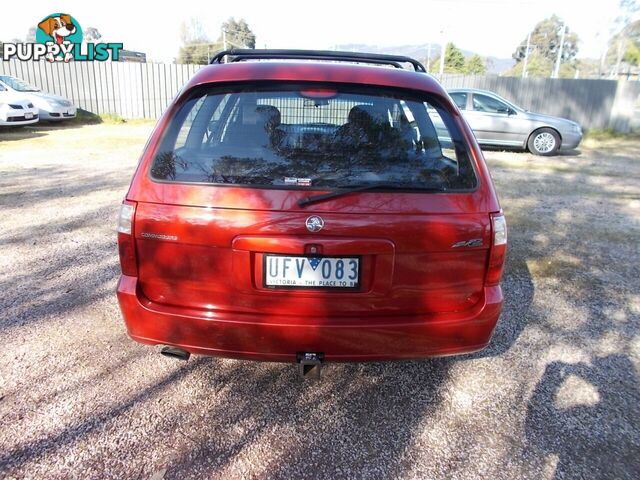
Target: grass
{"type": "Point", "coordinates": [41, 138]}
{"type": "Point", "coordinates": [604, 134]}
{"type": "Point", "coordinates": [85, 117]}
{"type": "Point", "coordinates": [542, 167]}
{"type": "Point", "coordinates": [112, 118]}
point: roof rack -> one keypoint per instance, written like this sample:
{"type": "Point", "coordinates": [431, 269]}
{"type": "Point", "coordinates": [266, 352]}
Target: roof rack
{"type": "Point", "coordinates": [241, 54]}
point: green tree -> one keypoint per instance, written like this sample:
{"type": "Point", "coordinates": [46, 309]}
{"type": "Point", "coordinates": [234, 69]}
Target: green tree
{"type": "Point", "coordinates": [537, 66]}
{"type": "Point", "coordinates": [632, 55]}
{"type": "Point", "coordinates": [453, 59]}
{"type": "Point", "coordinates": [475, 65]}
{"type": "Point", "coordinates": [588, 67]}
{"type": "Point", "coordinates": [196, 47]}
{"type": "Point", "coordinates": [625, 45]}
{"type": "Point", "coordinates": [628, 37]}
{"type": "Point", "coordinates": [238, 34]}
{"type": "Point", "coordinates": [545, 41]}
{"type": "Point", "coordinates": [569, 69]}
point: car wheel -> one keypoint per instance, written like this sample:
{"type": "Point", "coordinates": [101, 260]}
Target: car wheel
{"type": "Point", "coordinates": [544, 141]}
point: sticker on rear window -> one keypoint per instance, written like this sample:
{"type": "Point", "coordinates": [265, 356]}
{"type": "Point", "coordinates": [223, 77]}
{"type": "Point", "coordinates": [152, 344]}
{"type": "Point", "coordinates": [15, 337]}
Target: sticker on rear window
{"type": "Point", "coordinates": [300, 182]}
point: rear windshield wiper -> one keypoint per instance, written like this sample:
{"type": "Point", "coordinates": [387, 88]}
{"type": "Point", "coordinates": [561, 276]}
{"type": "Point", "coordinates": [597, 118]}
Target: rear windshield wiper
{"type": "Point", "coordinates": [348, 189]}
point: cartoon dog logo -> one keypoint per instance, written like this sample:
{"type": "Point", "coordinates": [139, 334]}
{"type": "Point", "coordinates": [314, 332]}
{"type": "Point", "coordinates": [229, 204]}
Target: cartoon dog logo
{"type": "Point", "coordinates": [58, 27]}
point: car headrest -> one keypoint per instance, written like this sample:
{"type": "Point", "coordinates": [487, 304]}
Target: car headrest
{"type": "Point", "coordinates": [364, 114]}
{"type": "Point", "coordinates": [269, 115]}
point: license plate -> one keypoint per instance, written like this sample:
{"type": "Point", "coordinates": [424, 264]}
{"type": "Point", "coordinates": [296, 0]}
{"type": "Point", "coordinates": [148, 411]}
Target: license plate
{"type": "Point", "coordinates": [311, 272]}
{"type": "Point", "coordinates": [28, 116]}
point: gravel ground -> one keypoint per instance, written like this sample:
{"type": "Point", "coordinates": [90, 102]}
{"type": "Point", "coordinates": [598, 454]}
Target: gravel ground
{"type": "Point", "coordinates": [555, 396]}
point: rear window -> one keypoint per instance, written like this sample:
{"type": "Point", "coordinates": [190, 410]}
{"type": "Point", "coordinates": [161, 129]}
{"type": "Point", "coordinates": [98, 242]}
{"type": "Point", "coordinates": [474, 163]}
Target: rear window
{"type": "Point", "coordinates": [303, 136]}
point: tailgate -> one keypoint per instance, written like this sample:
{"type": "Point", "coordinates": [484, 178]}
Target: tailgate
{"type": "Point", "coordinates": [214, 259]}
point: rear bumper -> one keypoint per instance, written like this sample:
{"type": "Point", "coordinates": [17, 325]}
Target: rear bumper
{"type": "Point", "coordinates": [279, 338]}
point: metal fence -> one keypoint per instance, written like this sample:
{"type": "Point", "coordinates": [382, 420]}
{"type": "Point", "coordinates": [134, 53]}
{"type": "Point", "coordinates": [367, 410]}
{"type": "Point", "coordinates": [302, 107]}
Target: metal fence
{"type": "Point", "coordinates": [131, 90]}
{"type": "Point", "coordinates": [143, 90]}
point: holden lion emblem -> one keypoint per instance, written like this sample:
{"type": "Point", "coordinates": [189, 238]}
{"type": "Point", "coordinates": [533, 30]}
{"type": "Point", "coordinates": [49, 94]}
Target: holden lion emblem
{"type": "Point", "coordinates": [314, 223]}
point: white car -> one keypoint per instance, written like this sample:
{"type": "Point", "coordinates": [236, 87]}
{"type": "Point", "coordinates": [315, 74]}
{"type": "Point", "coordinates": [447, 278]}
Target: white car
{"type": "Point", "coordinates": [14, 113]}
{"type": "Point", "coordinates": [52, 107]}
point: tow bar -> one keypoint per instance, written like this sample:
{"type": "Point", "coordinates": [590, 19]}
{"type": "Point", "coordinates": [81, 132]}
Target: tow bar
{"type": "Point", "coordinates": [310, 365]}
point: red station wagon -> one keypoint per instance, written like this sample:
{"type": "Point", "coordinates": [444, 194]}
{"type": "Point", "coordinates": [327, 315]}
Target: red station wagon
{"type": "Point", "coordinates": [299, 206]}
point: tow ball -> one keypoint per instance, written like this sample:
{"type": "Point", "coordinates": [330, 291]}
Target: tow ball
{"type": "Point", "coordinates": [310, 365]}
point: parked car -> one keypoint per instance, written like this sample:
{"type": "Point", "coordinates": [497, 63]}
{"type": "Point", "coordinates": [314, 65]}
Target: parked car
{"type": "Point", "coordinates": [52, 107]}
{"type": "Point", "coordinates": [498, 122]}
{"type": "Point", "coordinates": [303, 211]}
{"type": "Point", "coordinates": [16, 111]}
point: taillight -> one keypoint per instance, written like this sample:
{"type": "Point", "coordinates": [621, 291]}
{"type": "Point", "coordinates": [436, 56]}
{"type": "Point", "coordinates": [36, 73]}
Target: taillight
{"type": "Point", "coordinates": [126, 242]}
{"type": "Point", "coordinates": [498, 248]}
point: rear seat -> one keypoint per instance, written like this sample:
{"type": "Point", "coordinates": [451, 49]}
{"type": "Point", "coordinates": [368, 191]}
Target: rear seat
{"type": "Point", "coordinates": [258, 128]}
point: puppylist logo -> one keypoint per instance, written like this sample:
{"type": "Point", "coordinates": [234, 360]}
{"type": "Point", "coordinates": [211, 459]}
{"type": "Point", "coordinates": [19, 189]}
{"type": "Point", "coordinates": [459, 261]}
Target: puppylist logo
{"type": "Point", "coordinates": [59, 38]}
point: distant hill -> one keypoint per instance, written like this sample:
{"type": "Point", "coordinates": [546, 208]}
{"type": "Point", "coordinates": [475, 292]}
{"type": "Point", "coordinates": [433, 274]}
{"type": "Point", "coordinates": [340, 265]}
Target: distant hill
{"type": "Point", "coordinates": [419, 52]}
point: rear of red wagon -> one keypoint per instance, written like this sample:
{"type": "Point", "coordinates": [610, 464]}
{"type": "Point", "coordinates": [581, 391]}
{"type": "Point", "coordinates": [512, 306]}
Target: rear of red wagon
{"type": "Point", "coordinates": [292, 210]}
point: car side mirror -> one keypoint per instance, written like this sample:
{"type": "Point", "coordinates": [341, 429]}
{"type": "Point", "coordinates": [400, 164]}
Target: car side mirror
{"type": "Point", "coordinates": [510, 111]}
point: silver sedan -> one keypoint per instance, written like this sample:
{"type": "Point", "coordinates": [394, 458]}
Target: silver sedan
{"type": "Point", "coordinates": [498, 122]}
{"type": "Point", "coordinates": [52, 107]}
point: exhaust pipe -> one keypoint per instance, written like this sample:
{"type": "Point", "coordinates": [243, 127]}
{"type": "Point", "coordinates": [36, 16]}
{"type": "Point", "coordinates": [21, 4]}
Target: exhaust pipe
{"type": "Point", "coordinates": [175, 352]}
{"type": "Point", "coordinates": [310, 365]}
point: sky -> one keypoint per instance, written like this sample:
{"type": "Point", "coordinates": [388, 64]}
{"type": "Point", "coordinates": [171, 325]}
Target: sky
{"type": "Point", "coordinates": [487, 27]}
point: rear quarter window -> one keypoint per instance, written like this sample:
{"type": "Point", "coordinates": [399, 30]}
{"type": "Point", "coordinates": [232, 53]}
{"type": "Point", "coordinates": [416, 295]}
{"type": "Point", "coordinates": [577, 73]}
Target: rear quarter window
{"type": "Point", "coordinates": [302, 136]}
{"type": "Point", "coordinates": [460, 99]}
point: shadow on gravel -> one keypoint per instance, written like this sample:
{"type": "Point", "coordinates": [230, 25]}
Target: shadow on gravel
{"type": "Point", "coordinates": [44, 127]}
{"type": "Point", "coordinates": [61, 182]}
{"type": "Point", "coordinates": [31, 295]}
{"type": "Point", "coordinates": [70, 434]}
{"type": "Point", "coordinates": [80, 265]}
{"type": "Point", "coordinates": [39, 129]}
{"type": "Point", "coordinates": [578, 415]}
{"type": "Point", "coordinates": [360, 418]}
{"type": "Point", "coordinates": [9, 134]}
{"type": "Point", "coordinates": [561, 153]}
{"type": "Point", "coordinates": [565, 248]}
